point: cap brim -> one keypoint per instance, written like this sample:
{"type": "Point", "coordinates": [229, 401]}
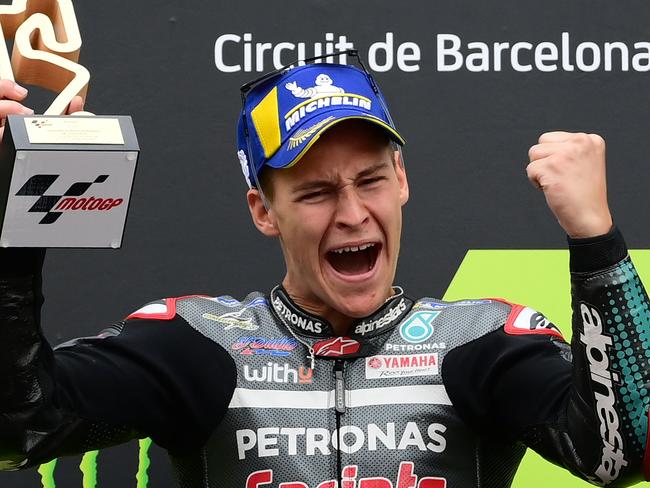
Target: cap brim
{"type": "Point", "coordinates": [297, 145]}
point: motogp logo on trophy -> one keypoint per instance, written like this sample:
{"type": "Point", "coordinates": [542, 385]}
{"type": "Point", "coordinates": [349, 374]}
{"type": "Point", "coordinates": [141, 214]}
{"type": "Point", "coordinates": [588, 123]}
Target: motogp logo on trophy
{"type": "Point", "coordinates": [54, 205]}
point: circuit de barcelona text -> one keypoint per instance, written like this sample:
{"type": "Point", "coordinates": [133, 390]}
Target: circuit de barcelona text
{"type": "Point", "coordinates": [447, 52]}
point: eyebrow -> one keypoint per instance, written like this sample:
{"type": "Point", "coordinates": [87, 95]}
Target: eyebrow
{"type": "Point", "coordinates": [316, 184]}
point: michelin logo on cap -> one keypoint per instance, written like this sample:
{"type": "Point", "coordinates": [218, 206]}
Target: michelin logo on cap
{"type": "Point", "coordinates": [324, 95]}
{"type": "Point", "coordinates": [323, 86]}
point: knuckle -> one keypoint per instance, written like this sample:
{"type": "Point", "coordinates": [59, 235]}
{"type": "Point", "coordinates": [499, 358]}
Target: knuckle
{"type": "Point", "coordinates": [6, 86]}
{"type": "Point", "coordinates": [553, 160]}
{"type": "Point", "coordinates": [581, 138]}
{"type": "Point", "coordinates": [597, 140]}
{"type": "Point", "coordinates": [9, 106]}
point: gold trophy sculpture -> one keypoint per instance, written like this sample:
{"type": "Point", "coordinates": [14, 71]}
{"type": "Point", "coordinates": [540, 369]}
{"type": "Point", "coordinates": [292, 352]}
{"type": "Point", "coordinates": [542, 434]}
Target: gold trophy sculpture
{"type": "Point", "coordinates": [65, 180]}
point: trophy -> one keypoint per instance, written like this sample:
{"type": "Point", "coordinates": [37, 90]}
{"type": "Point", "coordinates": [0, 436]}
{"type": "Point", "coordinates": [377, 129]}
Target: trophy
{"type": "Point", "coordinates": [65, 180]}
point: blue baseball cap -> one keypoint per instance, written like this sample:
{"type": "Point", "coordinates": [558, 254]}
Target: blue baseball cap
{"type": "Point", "coordinates": [284, 115]}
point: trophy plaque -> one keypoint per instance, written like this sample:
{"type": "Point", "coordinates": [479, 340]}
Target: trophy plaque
{"type": "Point", "coordinates": [65, 180]}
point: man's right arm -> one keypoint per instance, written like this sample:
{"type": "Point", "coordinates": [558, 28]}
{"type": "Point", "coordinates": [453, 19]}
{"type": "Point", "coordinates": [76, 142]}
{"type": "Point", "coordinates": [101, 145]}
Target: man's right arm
{"type": "Point", "coordinates": [156, 378]}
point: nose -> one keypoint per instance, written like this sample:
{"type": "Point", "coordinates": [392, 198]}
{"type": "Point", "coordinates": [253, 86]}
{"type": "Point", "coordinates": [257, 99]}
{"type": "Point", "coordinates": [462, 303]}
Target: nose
{"type": "Point", "coordinates": [351, 210]}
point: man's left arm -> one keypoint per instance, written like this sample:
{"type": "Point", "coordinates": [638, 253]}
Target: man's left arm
{"type": "Point", "coordinates": [589, 415]}
{"type": "Point", "coordinates": [611, 320]}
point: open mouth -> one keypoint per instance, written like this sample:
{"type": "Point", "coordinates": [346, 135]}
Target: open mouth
{"type": "Point", "coordinates": [354, 260]}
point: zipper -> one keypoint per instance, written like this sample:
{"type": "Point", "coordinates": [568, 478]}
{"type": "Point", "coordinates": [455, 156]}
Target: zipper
{"type": "Point", "coordinates": [339, 406]}
{"type": "Point", "coordinates": [339, 387]}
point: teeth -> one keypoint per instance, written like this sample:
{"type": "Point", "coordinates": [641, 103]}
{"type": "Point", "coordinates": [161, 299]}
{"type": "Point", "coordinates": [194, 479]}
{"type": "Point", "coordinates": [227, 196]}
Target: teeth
{"type": "Point", "coordinates": [353, 248]}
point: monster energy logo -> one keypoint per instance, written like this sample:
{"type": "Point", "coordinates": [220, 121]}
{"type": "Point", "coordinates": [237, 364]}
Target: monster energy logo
{"type": "Point", "coordinates": [88, 468]}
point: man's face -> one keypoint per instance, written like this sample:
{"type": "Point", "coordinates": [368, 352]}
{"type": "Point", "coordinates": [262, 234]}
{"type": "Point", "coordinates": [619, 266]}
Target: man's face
{"type": "Point", "coordinates": [338, 214]}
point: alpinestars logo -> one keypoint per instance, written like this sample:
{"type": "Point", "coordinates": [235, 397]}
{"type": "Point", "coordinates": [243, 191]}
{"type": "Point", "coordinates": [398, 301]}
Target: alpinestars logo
{"type": "Point", "coordinates": [53, 206]}
{"type": "Point", "coordinates": [391, 315]}
{"type": "Point", "coordinates": [596, 344]}
{"type": "Point", "coordinates": [338, 346]}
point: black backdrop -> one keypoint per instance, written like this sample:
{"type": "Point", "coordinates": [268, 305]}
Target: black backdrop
{"type": "Point", "coordinates": [468, 134]}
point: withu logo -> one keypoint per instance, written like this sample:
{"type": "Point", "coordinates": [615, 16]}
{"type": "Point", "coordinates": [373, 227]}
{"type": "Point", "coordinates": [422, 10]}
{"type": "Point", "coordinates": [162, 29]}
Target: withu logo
{"type": "Point", "coordinates": [276, 373]}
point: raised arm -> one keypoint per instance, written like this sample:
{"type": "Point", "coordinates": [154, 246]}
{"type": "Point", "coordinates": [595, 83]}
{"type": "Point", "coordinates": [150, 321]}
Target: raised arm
{"type": "Point", "coordinates": [584, 408]}
{"type": "Point", "coordinates": [611, 317]}
{"type": "Point", "coordinates": [136, 378]}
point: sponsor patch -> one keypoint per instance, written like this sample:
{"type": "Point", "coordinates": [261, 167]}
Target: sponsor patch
{"type": "Point", "coordinates": [227, 301]}
{"type": "Point", "coordinates": [338, 346]}
{"type": "Point", "coordinates": [596, 344]}
{"type": "Point", "coordinates": [248, 346]}
{"type": "Point", "coordinates": [415, 347]}
{"type": "Point", "coordinates": [525, 320]}
{"type": "Point", "coordinates": [303, 134]}
{"type": "Point", "coordinates": [323, 85]}
{"type": "Point", "coordinates": [243, 162]}
{"type": "Point", "coordinates": [417, 328]}
{"type": "Point", "coordinates": [392, 314]}
{"type": "Point", "coordinates": [430, 305]}
{"type": "Point", "coordinates": [298, 320]}
{"type": "Point", "coordinates": [276, 441]}
{"type": "Point", "coordinates": [468, 303]}
{"type": "Point", "coordinates": [233, 320]}
{"type": "Point", "coordinates": [405, 478]}
{"type": "Point", "coordinates": [278, 373]}
{"type": "Point", "coordinates": [319, 97]}
{"type": "Point", "coordinates": [400, 366]}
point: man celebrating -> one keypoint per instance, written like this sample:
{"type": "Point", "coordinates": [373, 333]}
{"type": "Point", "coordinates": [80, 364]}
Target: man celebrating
{"type": "Point", "coordinates": [336, 377]}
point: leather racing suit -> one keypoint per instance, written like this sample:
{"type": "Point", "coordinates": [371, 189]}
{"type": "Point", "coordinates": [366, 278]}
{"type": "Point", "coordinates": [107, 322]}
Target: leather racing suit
{"type": "Point", "coordinates": [422, 394]}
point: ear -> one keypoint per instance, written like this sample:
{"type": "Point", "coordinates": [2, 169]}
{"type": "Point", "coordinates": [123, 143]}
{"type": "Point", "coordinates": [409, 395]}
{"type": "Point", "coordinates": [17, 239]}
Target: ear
{"type": "Point", "coordinates": [401, 178]}
{"type": "Point", "coordinates": [263, 218]}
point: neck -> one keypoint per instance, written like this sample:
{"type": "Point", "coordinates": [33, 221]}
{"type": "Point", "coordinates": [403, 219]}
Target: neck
{"type": "Point", "coordinates": [341, 323]}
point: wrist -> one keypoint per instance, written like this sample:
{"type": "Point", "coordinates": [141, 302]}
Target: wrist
{"type": "Point", "coordinates": [590, 227]}
{"type": "Point", "coordinates": [596, 252]}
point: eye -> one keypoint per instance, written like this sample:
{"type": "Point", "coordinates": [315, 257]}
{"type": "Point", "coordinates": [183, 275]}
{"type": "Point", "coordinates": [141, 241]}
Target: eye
{"type": "Point", "coordinates": [313, 196]}
{"type": "Point", "coordinates": [371, 181]}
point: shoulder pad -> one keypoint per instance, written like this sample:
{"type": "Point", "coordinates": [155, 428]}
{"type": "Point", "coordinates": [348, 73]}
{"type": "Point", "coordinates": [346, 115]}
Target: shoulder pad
{"type": "Point", "coordinates": [164, 309]}
{"type": "Point", "coordinates": [525, 320]}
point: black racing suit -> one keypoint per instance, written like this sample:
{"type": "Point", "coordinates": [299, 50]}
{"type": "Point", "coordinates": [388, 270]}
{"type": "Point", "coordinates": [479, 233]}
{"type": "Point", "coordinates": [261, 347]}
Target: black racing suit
{"type": "Point", "coordinates": [422, 394]}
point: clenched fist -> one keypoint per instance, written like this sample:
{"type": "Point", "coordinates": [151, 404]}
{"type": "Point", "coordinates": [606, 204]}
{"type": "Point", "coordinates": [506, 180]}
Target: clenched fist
{"type": "Point", "coordinates": [570, 169]}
